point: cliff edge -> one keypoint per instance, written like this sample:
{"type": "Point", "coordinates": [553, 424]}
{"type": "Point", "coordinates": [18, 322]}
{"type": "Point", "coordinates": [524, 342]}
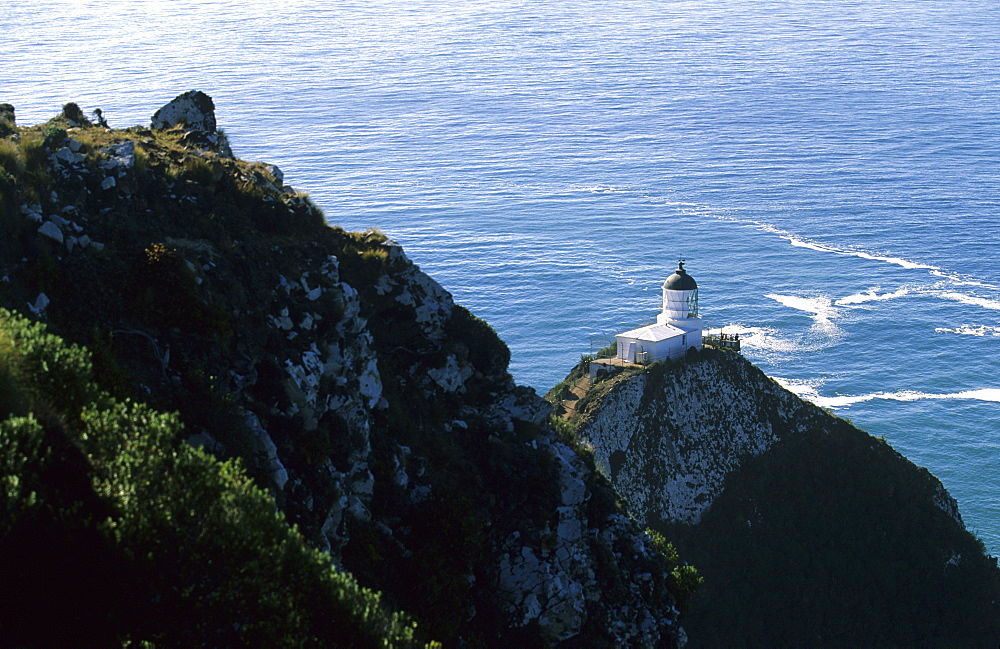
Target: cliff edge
{"type": "Point", "coordinates": [807, 531]}
{"type": "Point", "coordinates": [377, 413]}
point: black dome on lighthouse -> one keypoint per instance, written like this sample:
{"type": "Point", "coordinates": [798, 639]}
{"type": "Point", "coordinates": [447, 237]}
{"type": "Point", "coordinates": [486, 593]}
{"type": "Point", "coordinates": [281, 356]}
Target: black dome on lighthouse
{"type": "Point", "coordinates": [680, 280]}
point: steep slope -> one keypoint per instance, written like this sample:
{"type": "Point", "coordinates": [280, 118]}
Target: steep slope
{"type": "Point", "coordinates": [379, 414]}
{"type": "Point", "coordinates": [808, 531]}
{"type": "Point", "coordinates": [113, 532]}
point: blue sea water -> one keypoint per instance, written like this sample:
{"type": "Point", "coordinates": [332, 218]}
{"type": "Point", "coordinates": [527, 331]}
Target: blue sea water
{"type": "Point", "coordinates": [830, 170]}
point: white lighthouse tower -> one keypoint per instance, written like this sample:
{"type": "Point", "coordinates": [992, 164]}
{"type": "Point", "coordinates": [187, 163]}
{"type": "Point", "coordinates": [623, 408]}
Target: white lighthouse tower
{"type": "Point", "coordinates": [680, 301]}
{"type": "Point", "coordinates": [678, 327]}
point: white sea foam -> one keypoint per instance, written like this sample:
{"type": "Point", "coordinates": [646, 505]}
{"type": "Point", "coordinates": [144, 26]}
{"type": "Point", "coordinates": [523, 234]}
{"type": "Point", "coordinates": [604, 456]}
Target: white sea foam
{"type": "Point", "coordinates": [802, 242]}
{"type": "Point", "coordinates": [815, 305]}
{"type": "Point", "coordinates": [891, 260]}
{"type": "Point", "coordinates": [871, 295]}
{"type": "Point", "coordinates": [821, 308]}
{"type": "Point", "coordinates": [799, 243]}
{"type": "Point", "coordinates": [962, 280]}
{"type": "Point", "coordinates": [808, 392]}
{"type": "Point", "coordinates": [763, 339]}
{"type": "Point", "coordinates": [986, 303]}
{"type": "Point", "coordinates": [971, 330]}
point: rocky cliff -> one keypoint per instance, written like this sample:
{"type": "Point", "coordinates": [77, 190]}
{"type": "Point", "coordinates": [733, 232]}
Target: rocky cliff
{"type": "Point", "coordinates": [377, 412]}
{"type": "Point", "coordinates": [808, 531]}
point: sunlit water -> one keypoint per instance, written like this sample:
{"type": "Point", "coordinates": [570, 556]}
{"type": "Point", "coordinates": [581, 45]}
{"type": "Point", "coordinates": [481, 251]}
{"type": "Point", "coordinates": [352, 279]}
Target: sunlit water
{"type": "Point", "coordinates": [828, 169]}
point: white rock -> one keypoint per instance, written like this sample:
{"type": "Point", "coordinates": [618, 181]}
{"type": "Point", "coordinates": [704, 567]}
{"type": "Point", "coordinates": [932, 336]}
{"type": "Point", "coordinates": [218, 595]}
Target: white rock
{"type": "Point", "coordinates": [282, 321]}
{"type": "Point", "coordinates": [34, 213]}
{"type": "Point", "coordinates": [108, 182]}
{"type": "Point", "coordinates": [262, 445]}
{"type": "Point", "coordinates": [451, 377]}
{"type": "Point", "coordinates": [194, 110]}
{"type": "Point", "coordinates": [41, 302]}
{"type": "Point", "coordinates": [52, 231]}
{"type": "Point", "coordinates": [65, 155]}
{"type": "Point", "coordinates": [275, 173]}
{"type": "Point", "coordinates": [370, 384]}
{"type": "Point", "coordinates": [120, 155]}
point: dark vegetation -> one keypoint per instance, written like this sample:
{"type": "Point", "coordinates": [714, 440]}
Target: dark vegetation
{"type": "Point", "coordinates": [200, 252]}
{"type": "Point", "coordinates": [114, 533]}
{"type": "Point", "coordinates": [170, 313]}
{"type": "Point", "coordinates": [830, 538]}
{"type": "Point", "coordinates": [833, 540]}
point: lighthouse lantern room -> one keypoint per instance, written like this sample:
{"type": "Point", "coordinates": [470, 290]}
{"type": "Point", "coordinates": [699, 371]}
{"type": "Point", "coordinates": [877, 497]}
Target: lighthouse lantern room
{"type": "Point", "coordinates": [678, 326]}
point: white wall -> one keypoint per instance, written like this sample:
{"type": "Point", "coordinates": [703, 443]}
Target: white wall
{"type": "Point", "coordinates": [658, 351]}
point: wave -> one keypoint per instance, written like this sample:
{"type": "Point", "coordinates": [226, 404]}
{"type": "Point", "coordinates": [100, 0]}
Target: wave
{"type": "Point", "coordinates": [815, 305]}
{"type": "Point", "coordinates": [802, 242]}
{"type": "Point", "coordinates": [971, 330]}
{"type": "Point", "coordinates": [766, 342]}
{"type": "Point", "coordinates": [871, 295]}
{"type": "Point", "coordinates": [810, 392]}
{"type": "Point", "coordinates": [971, 299]}
{"type": "Point", "coordinates": [763, 339]}
{"type": "Point", "coordinates": [821, 308]}
{"type": "Point", "coordinates": [962, 280]}
{"type": "Point", "coordinates": [798, 241]}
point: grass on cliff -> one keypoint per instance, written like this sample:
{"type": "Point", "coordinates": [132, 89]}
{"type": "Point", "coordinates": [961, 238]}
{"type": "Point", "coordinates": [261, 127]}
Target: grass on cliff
{"type": "Point", "coordinates": [114, 533]}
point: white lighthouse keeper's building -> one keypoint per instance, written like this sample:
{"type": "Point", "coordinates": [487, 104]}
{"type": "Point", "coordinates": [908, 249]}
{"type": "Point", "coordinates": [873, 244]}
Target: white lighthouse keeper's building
{"type": "Point", "coordinates": [677, 329]}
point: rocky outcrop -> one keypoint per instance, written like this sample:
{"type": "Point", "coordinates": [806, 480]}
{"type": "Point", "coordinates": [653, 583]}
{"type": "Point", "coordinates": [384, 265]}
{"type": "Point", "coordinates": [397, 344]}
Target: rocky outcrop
{"type": "Point", "coordinates": [808, 531]}
{"type": "Point", "coordinates": [668, 439]}
{"type": "Point", "coordinates": [194, 110]}
{"type": "Point", "coordinates": [378, 412]}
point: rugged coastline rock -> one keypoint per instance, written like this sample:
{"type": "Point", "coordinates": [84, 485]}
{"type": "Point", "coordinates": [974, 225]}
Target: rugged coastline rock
{"type": "Point", "coordinates": [808, 531]}
{"type": "Point", "coordinates": [377, 412]}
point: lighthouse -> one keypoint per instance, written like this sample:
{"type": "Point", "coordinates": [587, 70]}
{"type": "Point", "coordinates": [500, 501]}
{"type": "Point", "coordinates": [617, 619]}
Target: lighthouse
{"type": "Point", "coordinates": [680, 301]}
{"type": "Point", "coordinates": [678, 326]}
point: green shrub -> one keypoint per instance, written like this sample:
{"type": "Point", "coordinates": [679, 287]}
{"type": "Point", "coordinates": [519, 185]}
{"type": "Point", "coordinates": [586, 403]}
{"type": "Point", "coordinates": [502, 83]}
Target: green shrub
{"type": "Point", "coordinates": [53, 134]}
{"type": "Point", "coordinates": [684, 578]}
{"type": "Point", "coordinates": [487, 352]}
{"type": "Point", "coordinates": [11, 171]}
{"type": "Point", "coordinates": [174, 548]}
{"type": "Point", "coordinates": [7, 123]}
{"type": "Point", "coordinates": [22, 455]}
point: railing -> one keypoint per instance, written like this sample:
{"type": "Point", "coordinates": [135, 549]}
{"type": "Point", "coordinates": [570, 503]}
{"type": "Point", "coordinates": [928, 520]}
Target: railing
{"type": "Point", "coordinates": [722, 341]}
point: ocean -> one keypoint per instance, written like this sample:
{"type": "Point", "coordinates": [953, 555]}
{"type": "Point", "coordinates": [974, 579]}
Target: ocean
{"type": "Point", "coordinates": [830, 170]}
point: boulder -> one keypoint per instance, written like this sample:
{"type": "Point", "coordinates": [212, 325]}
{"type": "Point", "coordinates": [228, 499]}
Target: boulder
{"type": "Point", "coordinates": [52, 231]}
{"type": "Point", "coordinates": [194, 110]}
